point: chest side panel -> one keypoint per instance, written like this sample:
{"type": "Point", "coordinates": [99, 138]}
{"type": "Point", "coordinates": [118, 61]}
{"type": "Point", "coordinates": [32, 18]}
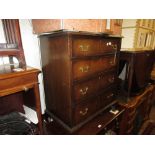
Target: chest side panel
{"type": "Point", "coordinates": [56, 73]}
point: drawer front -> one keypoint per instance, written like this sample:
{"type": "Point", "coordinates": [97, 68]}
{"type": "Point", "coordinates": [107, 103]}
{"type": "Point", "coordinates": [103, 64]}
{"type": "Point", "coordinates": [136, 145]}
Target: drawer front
{"type": "Point", "coordinates": [18, 81]}
{"type": "Point", "coordinates": [85, 46]}
{"type": "Point", "coordinates": [85, 68]}
{"type": "Point", "coordinates": [102, 123]}
{"type": "Point", "coordinates": [108, 97]}
{"type": "Point", "coordinates": [92, 86]}
{"type": "Point", "coordinates": [83, 110]}
{"type": "Point", "coordinates": [110, 129]}
{"type": "Point", "coordinates": [109, 45]}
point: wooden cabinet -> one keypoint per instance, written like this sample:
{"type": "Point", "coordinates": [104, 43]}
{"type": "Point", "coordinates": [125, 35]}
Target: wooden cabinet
{"type": "Point", "coordinates": [112, 26]}
{"type": "Point", "coordinates": [79, 75]}
{"type": "Point", "coordinates": [138, 66]}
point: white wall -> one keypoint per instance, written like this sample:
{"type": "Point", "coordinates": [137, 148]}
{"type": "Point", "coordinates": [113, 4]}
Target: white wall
{"type": "Point", "coordinates": [32, 53]}
{"type": "Point", "coordinates": [2, 37]}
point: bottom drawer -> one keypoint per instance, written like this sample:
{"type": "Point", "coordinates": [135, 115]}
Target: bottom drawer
{"type": "Point", "coordinates": [102, 123]}
{"type": "Point", "coordinates": [110, 129]}
{"type": "Point", "coordinates": [83, 110]}
{"type": "Point", "coordinates": [87, 108]}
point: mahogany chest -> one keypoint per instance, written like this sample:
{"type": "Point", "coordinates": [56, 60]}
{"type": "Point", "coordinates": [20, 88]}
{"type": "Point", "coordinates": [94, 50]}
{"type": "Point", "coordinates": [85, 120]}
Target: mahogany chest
{"type": "Point", "coordinates": [80, 75]}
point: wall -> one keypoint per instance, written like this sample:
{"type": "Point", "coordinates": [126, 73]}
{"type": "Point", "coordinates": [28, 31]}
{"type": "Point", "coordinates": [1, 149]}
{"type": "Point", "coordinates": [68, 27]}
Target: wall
{"type": "Point", "coordinates": [128, 42]}
{"type": "Point", "coordinates": [2, 38]}
{"type": "Point", "coordinates": [32, 55]}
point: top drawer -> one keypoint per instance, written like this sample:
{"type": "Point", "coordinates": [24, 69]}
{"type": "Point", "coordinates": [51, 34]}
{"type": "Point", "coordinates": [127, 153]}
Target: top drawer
{"type": "Point", "coordinates": [18, 81]}
{"type": "Point", "coordinates": [85, 46]}
{"type": "Point", "coordinates": [88, 46]}
{"type": "Point", "coordinates": [109, 45]}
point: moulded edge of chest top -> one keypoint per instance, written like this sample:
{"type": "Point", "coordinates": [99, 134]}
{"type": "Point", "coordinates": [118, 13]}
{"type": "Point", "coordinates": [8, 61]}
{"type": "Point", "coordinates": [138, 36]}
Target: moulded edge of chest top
{"type": "Point", "coordinates": [67, 32]}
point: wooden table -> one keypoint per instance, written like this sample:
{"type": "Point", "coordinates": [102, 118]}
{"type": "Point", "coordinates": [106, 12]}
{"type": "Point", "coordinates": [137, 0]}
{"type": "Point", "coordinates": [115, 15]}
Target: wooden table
{"type": "Point", "coordinates": [24, 81]}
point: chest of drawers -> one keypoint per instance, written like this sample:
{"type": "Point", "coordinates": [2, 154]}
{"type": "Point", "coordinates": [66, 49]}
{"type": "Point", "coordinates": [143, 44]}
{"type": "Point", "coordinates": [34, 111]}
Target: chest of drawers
{"type": "Point", "coordinates": [79, 71]}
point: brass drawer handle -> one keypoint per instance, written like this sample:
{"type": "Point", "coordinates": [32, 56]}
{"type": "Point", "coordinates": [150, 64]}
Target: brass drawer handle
{"type": "Point", "coordinates": [111, 80]}
{"type": "Point", "coordinates": [84, 48]}
{"type": "Point", "coordinates": [84, 69]}
{"type": "Point", "coordinates": [108, 43]}
{"type": "Point", "coordinates": [99, 126]}
{"type": "Point", "coordinates": [114, 46]}
{"type": "Point", "coordinates": [25, 89]}
{"type": "Point", "coordinates": [84, 91]}
{"type": "Point", "coordinates": [111, 95]}
{"type": "Point", "coordinates": [84, 112]}
{"type": "Point", "coordinates": [112, 63]}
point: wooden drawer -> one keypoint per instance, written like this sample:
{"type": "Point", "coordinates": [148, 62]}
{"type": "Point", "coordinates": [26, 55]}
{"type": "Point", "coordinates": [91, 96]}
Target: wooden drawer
{"type": "Point", "coordinates": [111, 129]}
{"type": "Point", "coordinates": [85, 68]}
{"type": "Point", "coordinates": [109, 45]}
{"type": "Point", "coordinates": [19, 81]}
{"type": "Point", "coordinates": [83, 110]}
{"type": "Point", "coordinates": [108, 97]}
{"type": "Point", "coordinates": [85, 46]}
{"type": "Point", "coordinates": [101, 123]}
{"type": "Point", "coordinates": [92, 86]}
{"type": "Point", "coordinates": [86, 109]}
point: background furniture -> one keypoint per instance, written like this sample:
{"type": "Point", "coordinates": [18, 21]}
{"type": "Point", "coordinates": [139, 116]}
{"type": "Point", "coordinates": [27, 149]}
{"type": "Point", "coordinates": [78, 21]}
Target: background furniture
{"type": "Point", "coordinates": [13, 45]}
{"type": "Point", "coordinates": [80, 75]}
{"type": "Point", "coordinates": [137, 111]}
{"type": "Point", "coordinates": [23, 84]}
{"type": "Point", "coordinates": [148, 128]}
{"type": "Point", "coordinates": [139, 34]}
{"type": "Point", "coordinates": [136, 67]}
{"type": "Point", "coordinates": [18, 83]}
{"type": "Point", "coordinates": [112, 26]}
